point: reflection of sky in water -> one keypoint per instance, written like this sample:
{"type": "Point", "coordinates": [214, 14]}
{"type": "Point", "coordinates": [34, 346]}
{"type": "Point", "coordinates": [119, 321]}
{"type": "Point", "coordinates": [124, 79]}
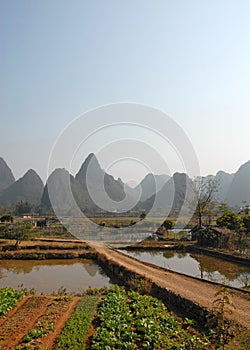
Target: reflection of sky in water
{"type": "Point", "coordinates": [197, 265]}
{"type": "Point", "coordinates": [48, 277]}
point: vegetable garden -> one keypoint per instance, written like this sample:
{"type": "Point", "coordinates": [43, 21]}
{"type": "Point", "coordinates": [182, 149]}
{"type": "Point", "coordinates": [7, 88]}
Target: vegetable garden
{"type": "Point", "coordinates": [106, 319]}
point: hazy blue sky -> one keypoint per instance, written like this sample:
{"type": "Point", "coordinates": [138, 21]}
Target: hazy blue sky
{"type": "Point", "coordinates": [188, 58]}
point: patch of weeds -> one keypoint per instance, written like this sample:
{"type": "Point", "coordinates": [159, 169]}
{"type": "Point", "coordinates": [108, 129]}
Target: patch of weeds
{"type": "Point", "coordinates": [50, 312]}
{"type": "Point", "coordinates": [140, 284]}
{"type": "Point", "coordinates": [62, 291]}
{"type": "Point", "coordinates": [222, 330]}
{"type": "Point", "coordinates": [97, 291]}
{"type": "Point", "coordinates": [34, 333]}
{"type": "Point", "coordinates": [27, 291]}
{"type": "Point", "coordinates": [64, 298]}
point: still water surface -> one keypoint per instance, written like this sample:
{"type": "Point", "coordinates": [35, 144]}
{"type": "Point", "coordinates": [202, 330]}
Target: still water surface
{"type": "Point", "coordinates": [46, 276]}
{"type": "Point", "coordinates": [197, 265]}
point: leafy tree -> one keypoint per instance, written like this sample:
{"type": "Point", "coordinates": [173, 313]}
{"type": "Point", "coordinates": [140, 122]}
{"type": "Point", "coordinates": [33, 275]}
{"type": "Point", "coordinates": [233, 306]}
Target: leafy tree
{"type": "Point", "coordinates": [23, 208]}
{"type": "Point", "coordinates": [233, 222]}
{"type": "Point", "coordinates": [168, 224]}
{"type": "Point", "coordinates": [204, 190]}
{"type": "Point", "coordinates": [6, 218]}
{"type": "Point", "coordinates": [246, 222]}
{"type": "Point", "coordinates": [222, 208]}
{"type": "Point", "coordinates": [142, 215]}
{"type": "Point", "coordinates": [207, 237]}
{"type": "Point", "coordinates": [245, 208]}
{"type": "Point", "coordinates": [230, 220]}
{"type": "Point", "coordinates": [19, 232]}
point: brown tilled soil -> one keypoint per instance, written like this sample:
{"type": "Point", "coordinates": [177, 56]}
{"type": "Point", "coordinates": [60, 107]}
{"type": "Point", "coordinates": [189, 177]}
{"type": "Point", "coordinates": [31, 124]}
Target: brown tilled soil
{"type": "Point", "coordinates": [199, 291]}
{"type": "Point", "coordinates": [31, 312]}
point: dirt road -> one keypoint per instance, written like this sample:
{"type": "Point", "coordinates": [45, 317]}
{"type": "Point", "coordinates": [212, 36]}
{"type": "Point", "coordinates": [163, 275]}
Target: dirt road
{"type": "Point", "coordinates": [190, 288]}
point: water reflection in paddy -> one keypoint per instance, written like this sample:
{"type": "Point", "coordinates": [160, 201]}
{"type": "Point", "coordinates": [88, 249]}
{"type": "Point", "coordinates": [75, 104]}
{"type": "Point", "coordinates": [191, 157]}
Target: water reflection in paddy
{"type": "Point", "coordinates": [197, 265]}
{"type": "Point", "coordinates": [46, 276]}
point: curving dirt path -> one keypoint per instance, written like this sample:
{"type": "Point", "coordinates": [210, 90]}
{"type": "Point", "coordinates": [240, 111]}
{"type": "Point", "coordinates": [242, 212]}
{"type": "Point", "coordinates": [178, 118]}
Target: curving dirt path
{"type": "Point", "coordinates": [199, 291]}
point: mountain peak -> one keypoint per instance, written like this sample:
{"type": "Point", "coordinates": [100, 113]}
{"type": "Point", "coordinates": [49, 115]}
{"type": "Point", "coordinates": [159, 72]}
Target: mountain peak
{"type": "Point", "coordinates": [28, 188]}
{"type": "Point", "coordinates": [31, 172]}
{"type": "Point", "coordinates": [6, 175]}
{"type": "Point", "coordinates": [92, 167]}
{"type": "Point", "coordinates": [90, 158]}
{"type": "Point", "coordinates": [91, 161]}
{"type": "Point", "coordinates": [245, 166]}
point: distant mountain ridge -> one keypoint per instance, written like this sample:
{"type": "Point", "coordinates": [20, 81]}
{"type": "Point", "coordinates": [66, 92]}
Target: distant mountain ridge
{"type": "Point", "coordinates": [91, 182]}
{"type": "Point", "coordinates": [151, 184]}
{"type": "Point", "coordinates": [171, 197]}
{"type": "Point", "coordinates": [28, 188]}
{"type": "Point", "coordinates": [239, 191]}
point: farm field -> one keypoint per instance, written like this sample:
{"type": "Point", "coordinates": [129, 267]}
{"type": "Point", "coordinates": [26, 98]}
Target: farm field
{"type": "Point", "coordinates": [114, 320]}
{"type": "Point", "coordinates": [99, 321]}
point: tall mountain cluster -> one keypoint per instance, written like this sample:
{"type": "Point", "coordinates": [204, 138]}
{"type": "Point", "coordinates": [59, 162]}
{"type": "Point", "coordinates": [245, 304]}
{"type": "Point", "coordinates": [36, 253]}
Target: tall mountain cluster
{"type": "Point", "coordinates": [93, 190]}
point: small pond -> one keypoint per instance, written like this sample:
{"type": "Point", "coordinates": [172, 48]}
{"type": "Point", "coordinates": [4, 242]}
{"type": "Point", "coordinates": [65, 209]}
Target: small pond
{"type": "Point", "coordinates": [46, 276]}
{"type": "Point", "coordinates": [197, 265]}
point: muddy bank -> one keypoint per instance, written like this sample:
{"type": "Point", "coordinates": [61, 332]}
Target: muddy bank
{"type": "Point", "coordinates": [218, 254]}
{"type": "Point", "coordinates": [43, 255]}
{"type": "Point", "coordinates": [46, 249]}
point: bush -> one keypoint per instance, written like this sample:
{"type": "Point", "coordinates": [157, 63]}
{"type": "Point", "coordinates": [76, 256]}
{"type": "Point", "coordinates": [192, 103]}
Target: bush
{"type": "Point", "coordinates": [168, 224]}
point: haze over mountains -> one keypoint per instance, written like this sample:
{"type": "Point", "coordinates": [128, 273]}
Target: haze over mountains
{"type": "Point", "coordinates": [86, 191]}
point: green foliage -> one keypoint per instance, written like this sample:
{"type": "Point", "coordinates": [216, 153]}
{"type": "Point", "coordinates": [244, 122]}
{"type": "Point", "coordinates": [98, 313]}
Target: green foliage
{"type": "Point", "coordinates": [34, 333]}
{"type": "Point", "coordinates": [7, 218]}
{"type": "Point", "coordinates": [246, 221]}
{"type": "Point", "coordinates": [143, 215]}
{"type": "Point", "coordinates": [102, 223]}
{"type": "Point", "coordinates": [230, 220]}
{"type": "Point", "coordinates": [233, 222]}
{"type": "Point", "coordinates": [19, 232]}
{"type": "Point", "coordinates": [8, 299]}
{"type": "Point", "coordinates": [206, 237]}
{"type": "Point", "coordinates": [23, 208]}
{"type": "Point", "coordinates": [168, 224]}
{"type": "Point", "coordinates": [141, 285]}
{"type": "Point", "coordinates": [222, 208]}
{"type": "Point", "coordinates": [97, 291]}
{"type": "Point", "coordinates": [222, 330]}
{"type": "Point", "coordinates": [131, 321]}
{"type": "Point", "coordinates": [76, 328]}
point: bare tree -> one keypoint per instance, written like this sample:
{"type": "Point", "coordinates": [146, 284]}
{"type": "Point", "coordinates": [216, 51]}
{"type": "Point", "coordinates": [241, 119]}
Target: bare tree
{"type": "Point", "coordinates": [203, 199]}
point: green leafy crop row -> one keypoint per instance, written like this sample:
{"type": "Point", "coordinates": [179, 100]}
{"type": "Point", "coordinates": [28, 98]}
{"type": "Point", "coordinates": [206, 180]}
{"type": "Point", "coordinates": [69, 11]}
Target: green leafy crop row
{"type": "Point", "coordinates": [134, 321]}
{"type": "Point", "coordinates": [76, 328]}
{"type": "Point", "coordinates": [8, 299]}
